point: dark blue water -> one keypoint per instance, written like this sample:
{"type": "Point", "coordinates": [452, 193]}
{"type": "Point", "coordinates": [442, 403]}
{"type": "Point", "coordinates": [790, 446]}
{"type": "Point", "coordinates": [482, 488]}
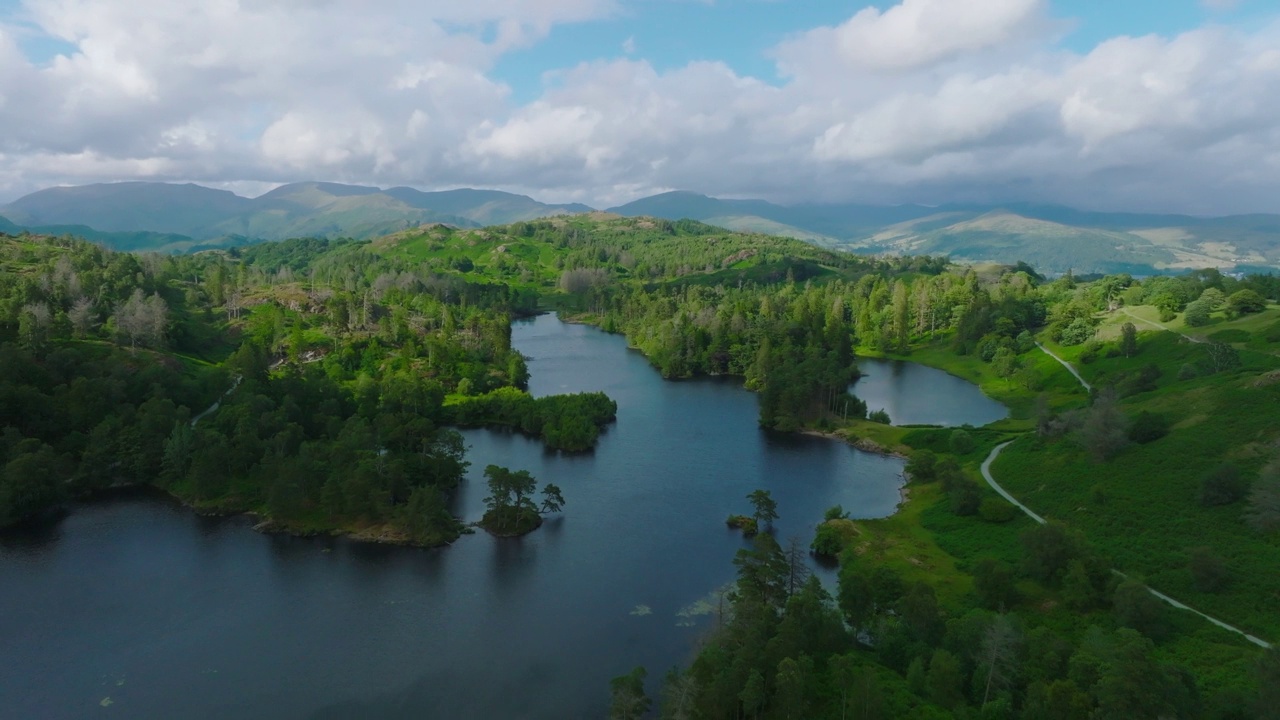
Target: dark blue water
{"type": "Point", "coordinates": [137, 608]}
{"type": "Point", "coordinates": [915, 394]}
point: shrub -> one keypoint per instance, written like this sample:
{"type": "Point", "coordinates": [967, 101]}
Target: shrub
{"type": "Point", "coordinates": [1272, 333]}
{"type": "Point", "coordinates": [962, 442]}
{"type": "Point", "coordinates": [1142, 381]}
{"type": "Point", "coordinates": [965, 497]}
{"type": "Point", "coordinates": [1187, 372]}
{"type": "Point", "coordinates": [1208, 569]}
{"type": "Point", "coordinates": [1025, 342]}
{"type": "Point", "coordinates": [988, 346]}
{"type": "Point", "coordinates": [1197, 314]}
{"type": "Point", "coordinates": [994, 582]}
{"type": "Point", "coordinates": [741, 522]}
{"type": "Point", "coordinates": [879, 416]}
{"type": "Point", "coordinates": [948, 473]}
{"type": "Point", "coordinates": [921, 466]}
{"type": "Point", "coordinates": [835, 512]}
{"type": "Point", "coordinates": [996, 510]}
{"type": "Point", "coordinates": [1104, 431]}
{"type": "Point", "coordinates": [1245, 302]}
{"type": "Point", "coordinates": [1084, 584]}
{"type": "Point", "coordinates": [1148, 427]}
{"type": "Point", "coordinates": [830, 538]}
{"type": "Point", "coordinates": [1090, 352]}
{"type": "Point", "coordinates": [1079, 331]}
{"type": "Point", "coordinates": [1135, 607]}
{"type": "Point", "coordinates": [1049, 549]}
{"type": "Point", "coordinates": [1222, 486]}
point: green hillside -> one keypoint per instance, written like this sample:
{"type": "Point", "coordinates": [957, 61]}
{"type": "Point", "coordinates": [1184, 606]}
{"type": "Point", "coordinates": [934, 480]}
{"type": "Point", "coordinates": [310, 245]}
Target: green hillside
{"type": "Point", "coordinates": [354, 358]}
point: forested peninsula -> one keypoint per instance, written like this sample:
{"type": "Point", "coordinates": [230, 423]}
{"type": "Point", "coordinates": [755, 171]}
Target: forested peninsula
{"type": "Point", "coordinates": [337, 374]}
{"type": "Point", "coordinates": [341, 367]}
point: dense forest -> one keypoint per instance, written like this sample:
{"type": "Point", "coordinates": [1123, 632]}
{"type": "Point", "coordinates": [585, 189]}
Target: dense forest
{"type": "Point", "coordinates": [336, 373]}
{"type": "Point", "coordinates": [340, 367]}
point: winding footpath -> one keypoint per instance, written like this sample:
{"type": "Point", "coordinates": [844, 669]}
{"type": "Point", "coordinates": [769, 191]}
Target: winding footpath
{"type": "Point", "coordinates": [1070, 368]}
{"type": "Point", "coordinates": [217, 404]}
{"type": "Point", "coordinates": [986, 475]}
{"type": "Point", "coordinates": [1160, 326]}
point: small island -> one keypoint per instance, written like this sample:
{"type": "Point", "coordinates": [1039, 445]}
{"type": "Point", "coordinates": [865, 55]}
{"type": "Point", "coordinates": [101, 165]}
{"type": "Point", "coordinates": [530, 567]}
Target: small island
{"type": "Point", "coordinates": [511, 508]}
{"type": "Point", "coordinates": [764, 512]}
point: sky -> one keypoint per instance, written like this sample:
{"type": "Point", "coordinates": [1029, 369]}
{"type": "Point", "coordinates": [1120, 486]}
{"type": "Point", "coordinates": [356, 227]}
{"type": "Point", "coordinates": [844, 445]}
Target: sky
{"type": "Point", "coordinates": [1140, 105]}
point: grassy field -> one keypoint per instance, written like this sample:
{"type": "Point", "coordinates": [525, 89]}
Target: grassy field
{"type": "Point", "coordinates": [926, 541]}
{"type": "Point", "coordinates": [1141, 508]}
{"type": "Point", "coordinates": [904, 543]}
{"type": "Point", "coordinates": [1150, 516]}
{"type": "Point", "coordinates": [1249, 332]}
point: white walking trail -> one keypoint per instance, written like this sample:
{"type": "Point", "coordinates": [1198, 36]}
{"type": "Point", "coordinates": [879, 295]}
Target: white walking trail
{"type": "Point", "coordinates": [214, 407]}
{"type": "Point", "coordinates": [1070, 368]}
{"type": "Point", "coordinates": [986, 475]}
{"type": "Point", "coordinates": [1161, 326]}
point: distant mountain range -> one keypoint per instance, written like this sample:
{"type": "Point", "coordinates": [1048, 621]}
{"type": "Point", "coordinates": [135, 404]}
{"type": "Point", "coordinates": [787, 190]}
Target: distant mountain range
{"type": "Point", "coordinates": [1052, 238]}
{"type": "Point", "coordinates": [177, 218]}
{"type": "Point", "coordinates": [180, 217]}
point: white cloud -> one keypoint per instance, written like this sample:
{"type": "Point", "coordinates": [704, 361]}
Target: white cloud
{"type": "Point", "coordinates": [927, 100]}
{"type": "Point", "coordinates": [916, 33]}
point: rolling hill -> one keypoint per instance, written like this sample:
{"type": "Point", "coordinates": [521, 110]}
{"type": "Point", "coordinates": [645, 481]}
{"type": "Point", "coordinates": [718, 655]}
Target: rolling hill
{"type": "Point", "coordinates": [1054, 239]}
{"type": "Point", "coordinates": [197, 214]}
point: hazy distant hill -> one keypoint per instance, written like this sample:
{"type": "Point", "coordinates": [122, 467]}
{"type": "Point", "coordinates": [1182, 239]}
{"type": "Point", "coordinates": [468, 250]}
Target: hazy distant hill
{"type": "Point", "coordinates": [300, 209]}
{"type": "Point", "coordinates": [142, 241]}
{"type": "Point", "coordinates": [483, 207]}
{"type": "Point", "coordinates": [1051, 238]}
{"type": "Point", "coordinates": [166, 217]}
{"type": "Point", "coordinates": [128, 207]}
{"type": "Point", "coordinates": [742, 215]}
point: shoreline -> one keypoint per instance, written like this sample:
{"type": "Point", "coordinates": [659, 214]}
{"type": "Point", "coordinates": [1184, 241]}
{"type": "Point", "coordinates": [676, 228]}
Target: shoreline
{"type": "Point", "coordinates": [377, 534]}
{"type": "Point", "coordinates": [868, 446]}
{"type": "Point", "coordinates": [864, 444]}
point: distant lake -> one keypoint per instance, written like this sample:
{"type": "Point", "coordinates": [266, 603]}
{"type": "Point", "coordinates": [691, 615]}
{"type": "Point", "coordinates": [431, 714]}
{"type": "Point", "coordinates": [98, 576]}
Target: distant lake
{"type": "Point", "coordinates": [915, 394]}
{"type": "Point", "coordinates": [138, 608]}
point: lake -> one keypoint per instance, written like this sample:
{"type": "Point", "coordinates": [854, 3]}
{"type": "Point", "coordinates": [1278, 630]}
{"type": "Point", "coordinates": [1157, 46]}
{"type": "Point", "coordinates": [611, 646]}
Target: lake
{"type": "Point", "coordinates": [135, 607]}
{"type": "Point", "coordinates": [915, 394]}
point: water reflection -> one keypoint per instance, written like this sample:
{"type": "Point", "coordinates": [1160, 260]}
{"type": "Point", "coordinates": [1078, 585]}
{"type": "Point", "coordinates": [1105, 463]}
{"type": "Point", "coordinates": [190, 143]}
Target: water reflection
{"type": "Point", "coordinates": [914, 394]}
{"type": "Point", "coordinates": [208, 619]}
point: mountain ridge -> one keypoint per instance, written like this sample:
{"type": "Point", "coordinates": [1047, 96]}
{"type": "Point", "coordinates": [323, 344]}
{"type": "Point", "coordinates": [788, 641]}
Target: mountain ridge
{"type": "Point", "coordinates": [1054, 238]}
{"type": "Point", "coordinates": [328, 209]}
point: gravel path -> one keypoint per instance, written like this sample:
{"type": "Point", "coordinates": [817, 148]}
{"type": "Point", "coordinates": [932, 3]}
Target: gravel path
{"type": "Point", "coordinates": [1160, 326]}
{"type": "Point", "coordinates": [986, 475]}
{"type": "Point", "coordinates": [1070, 368]}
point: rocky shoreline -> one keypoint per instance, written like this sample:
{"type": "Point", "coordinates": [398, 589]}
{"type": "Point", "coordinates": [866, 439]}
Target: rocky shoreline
{"type": "Point", "coordinates": [869, 446]}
